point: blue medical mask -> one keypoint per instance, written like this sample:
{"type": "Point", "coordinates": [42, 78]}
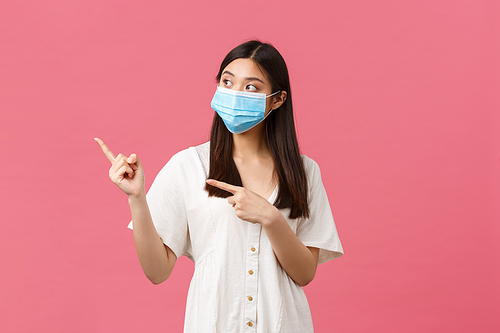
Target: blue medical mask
{"type": "Point", "coordinates": [240, 110]}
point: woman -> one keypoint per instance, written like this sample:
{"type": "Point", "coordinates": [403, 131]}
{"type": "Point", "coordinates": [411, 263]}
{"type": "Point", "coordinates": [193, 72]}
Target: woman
{"type": "Point", "coordinates": [246, 207]}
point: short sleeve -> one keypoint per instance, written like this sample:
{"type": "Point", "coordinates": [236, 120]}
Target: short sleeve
{"type": "Point", "coordinates": [167, 206]}
{"type": "Point", "coordinates": [319, 229]}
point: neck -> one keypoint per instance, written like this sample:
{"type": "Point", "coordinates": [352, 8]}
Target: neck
{"type": "Point", "coordinates": [251, 143]}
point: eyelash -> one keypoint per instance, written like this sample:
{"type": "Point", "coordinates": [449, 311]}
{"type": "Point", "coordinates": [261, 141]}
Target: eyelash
{"type": "Point", "coordinates": [229, 83]}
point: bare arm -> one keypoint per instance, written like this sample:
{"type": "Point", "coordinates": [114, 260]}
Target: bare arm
{"type": "Point", "coordinates": [298, 261]}
{"type": "Point", "coordinates": [157, 260]}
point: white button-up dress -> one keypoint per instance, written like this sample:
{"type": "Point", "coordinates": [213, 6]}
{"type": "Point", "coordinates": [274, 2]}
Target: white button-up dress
{"type": "Point", "coordinates": [238, 285]}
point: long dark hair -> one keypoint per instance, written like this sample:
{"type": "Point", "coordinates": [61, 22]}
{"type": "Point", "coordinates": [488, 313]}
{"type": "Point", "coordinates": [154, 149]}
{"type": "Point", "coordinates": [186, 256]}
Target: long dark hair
{"type": "Point", "coordinates": [280, 133]}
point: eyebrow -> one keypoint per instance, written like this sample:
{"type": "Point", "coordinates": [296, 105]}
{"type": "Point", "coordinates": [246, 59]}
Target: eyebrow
{"type": "Point", "coordinates": [247, 78]}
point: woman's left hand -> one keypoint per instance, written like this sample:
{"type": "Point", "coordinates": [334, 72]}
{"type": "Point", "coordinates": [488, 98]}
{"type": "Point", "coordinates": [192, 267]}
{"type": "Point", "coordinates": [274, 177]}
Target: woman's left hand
{"type": "Point", "coordinates": [249, 205]}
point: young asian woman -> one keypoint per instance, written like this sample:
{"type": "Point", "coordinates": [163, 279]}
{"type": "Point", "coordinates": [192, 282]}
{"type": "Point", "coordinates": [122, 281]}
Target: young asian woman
{"type": "Point", "coordinates": [246, 207]}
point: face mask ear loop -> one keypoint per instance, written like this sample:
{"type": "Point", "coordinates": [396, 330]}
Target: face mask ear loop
{"type": "Point", "coordinates": [268, 114]}
{"type": "Point", "coordinates": [271, 109]}
{"type": "Point", "coordinates": [273, 93]}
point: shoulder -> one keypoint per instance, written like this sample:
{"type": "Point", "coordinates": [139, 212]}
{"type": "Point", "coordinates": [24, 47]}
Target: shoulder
{"type": "Point", "coordinates": [310, 166]}
{"type": "Point", "coordinates": [187, 160]}
{"type": "Point", "coordinates": [203, 151]}
{"type": "Point", "coordinates": [191, 161]}
{"type": "Point", "coordinates": [185, 166]}
{"type": "Point", "coordinates": [313, 173]}
{"type": "Point", "coordinates": [188, 155]}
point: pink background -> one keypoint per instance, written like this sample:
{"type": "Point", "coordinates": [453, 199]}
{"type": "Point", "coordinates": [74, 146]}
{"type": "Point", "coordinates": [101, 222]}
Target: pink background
{"type": "Point", "coordinates": [397, 101]}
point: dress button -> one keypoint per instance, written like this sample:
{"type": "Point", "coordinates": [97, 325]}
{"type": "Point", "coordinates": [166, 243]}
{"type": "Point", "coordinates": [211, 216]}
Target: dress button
{"type": "Point", "coordinates": [250, 272]}
{"type": "Point", "coordinates": [250, 324]}
{"type": "Point", "coordinates": [250, 298]}
{"type": "Point", "coordinates": [253, 249]}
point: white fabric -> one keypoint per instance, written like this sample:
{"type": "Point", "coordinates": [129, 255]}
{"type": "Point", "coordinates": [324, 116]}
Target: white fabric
{"type": "Point", "coordinates": [225, 249]}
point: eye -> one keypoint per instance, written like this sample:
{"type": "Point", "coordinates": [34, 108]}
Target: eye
{"type": "Point", "coordinates": [227, 83]}
{"type": "Point", "coordinates": [251, 87]}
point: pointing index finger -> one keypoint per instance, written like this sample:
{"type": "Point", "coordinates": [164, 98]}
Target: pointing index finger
{"type": "Point", "coordinates": [223, 186]}
{"type": "Point", "coordinates": [107, 152]}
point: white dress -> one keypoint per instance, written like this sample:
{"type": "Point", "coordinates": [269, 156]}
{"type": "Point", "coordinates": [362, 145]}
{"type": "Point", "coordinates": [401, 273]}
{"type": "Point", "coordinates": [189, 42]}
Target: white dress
{"type": "Point", "coordinates": [238, 284]}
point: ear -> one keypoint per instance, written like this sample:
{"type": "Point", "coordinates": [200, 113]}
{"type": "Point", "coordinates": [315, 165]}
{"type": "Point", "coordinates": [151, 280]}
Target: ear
{"type": "Point", "coordinates": [279, 100]}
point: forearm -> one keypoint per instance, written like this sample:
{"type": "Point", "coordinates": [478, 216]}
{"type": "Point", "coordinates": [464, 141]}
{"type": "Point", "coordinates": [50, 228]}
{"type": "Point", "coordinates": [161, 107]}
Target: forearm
{"type": "Point", "coordinates": [295, 258]}
{"type": "Point", "coordinates": [156, 259]}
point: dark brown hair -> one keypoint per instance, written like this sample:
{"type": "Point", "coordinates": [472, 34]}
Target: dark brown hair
{"type": "Point", "coordinates": [280, 133]}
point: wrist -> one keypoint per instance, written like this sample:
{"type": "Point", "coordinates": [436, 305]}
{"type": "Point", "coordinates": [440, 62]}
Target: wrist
{"type": "Point", "coordinates": [272, 217]}
{"type": "Point", "coordinates": [137, 197]}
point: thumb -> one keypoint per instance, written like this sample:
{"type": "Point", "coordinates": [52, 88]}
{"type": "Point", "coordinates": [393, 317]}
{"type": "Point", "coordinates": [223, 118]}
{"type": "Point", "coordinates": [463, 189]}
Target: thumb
{"type": "Point", "coordinates": [134, 162]}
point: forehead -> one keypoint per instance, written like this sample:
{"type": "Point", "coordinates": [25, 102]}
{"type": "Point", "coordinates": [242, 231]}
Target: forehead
{"type": "Point", "coordinates": [245, 68]}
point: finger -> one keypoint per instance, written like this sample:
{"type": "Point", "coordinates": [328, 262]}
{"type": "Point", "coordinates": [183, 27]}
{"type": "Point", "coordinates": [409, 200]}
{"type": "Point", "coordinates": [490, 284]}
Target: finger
{"type": "Point", "coordinates": [130, 172]}
{"type": "Point", "coordinates": [130, 167]}
{"type": "Point", "coordinates": [224, 186]}
{"type": "Point", "coordinates": [137, 162]}
{"type": "Point", "coordinates": [231, 201]}
{"type": "Point", "coordinates": [107, 152]}
{"type": "Point", "coordinates": [132, 161]}
{"type": "Point", "coordinates": [118, 175]}
{"type": "Point", "coordinates": [125, 169]}
{"type": "Point", "coordinates": [120, 161]}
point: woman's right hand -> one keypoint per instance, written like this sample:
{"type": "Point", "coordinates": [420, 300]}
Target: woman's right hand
{"type": "Point", "coordinates": [126, 173]}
